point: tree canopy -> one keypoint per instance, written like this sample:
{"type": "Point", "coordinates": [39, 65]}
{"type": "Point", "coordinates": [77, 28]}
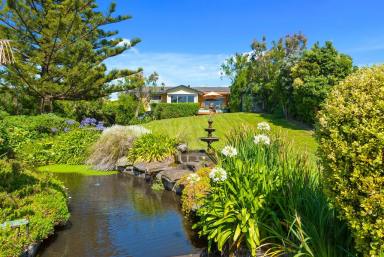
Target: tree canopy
{"type": "Point", "coordinates": [284, 77]}
{"type": "Point", "coordinates": [60, 50]}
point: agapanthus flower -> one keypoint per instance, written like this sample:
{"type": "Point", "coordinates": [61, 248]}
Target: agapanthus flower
{"type": "Point", "coordinates": [229, 151]}
{"type": "Point", "coordinates": [70, 122]}
{"type": "Point", "coordinates": [218, 174]}
{"type": "Point", "coordinates": [193, 178]}
{"type": "Point", "coordinates": [264, 126]}
{"type": "Point", "coordinates": [66, 129]}
{"type": "Point", "coordinates": [262, 139]}
{"type": "Point", "coordinates": [54, 130]}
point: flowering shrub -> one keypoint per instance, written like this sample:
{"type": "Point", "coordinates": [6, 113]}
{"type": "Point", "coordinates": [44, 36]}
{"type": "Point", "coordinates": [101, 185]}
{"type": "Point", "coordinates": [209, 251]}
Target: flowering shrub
{"type": "Point", "coordinates": [24, 129]}
{"type": "Point", "coordinates": [196, 188]}
{"type": "Point", "coordinates": [269, 199]}
{"type": "Point", "coordinates": [113, 144]}
{"type": "Point", "coordinates": [92, 122]}
{"type": "Point", "coordinates": [351, 143]}
{"type": "Point", "coordinates": [66, 148]}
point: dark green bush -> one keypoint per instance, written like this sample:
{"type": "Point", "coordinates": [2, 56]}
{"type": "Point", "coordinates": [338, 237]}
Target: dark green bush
{"type": "Point", "coordinates": [33, 196]}
{"type": "Point", "coordinates": [351, 143]}
{"type": "Point", "coordinates": [3, 114]}
{"type": "Point", "coordinates": [175, 110]}
{"type": "Point", "coordinates": [4, 140]}
{"type": "Point", "coordinates": [66, 148]}
{"type": "Point", "coordinates": [23, 129]}
{"type": "Point", "coordinates": [150, 147]}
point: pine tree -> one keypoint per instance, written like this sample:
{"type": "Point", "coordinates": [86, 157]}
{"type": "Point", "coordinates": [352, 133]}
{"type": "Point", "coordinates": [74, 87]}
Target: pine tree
{"type": "Point", "coordinates": [60, 47]}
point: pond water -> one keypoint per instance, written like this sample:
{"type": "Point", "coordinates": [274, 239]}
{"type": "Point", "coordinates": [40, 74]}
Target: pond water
{"type": "Point", "coordinates": [120, 215]}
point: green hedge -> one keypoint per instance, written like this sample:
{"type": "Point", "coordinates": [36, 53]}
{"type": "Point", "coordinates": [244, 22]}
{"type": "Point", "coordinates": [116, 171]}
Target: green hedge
{"type": "Point", "coordinates": [175, 110]}
{"type": "Point", "coordinates": [351, 135]}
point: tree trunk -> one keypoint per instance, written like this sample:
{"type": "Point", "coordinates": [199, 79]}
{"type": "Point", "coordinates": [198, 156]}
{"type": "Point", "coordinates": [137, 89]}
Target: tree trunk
{"type": "Point", "coordinates": [46, 104]}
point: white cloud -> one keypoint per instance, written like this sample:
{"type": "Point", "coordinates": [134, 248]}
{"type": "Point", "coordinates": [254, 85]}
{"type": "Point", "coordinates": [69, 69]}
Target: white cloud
{"type": "Point", "coordinates": [174, 68]}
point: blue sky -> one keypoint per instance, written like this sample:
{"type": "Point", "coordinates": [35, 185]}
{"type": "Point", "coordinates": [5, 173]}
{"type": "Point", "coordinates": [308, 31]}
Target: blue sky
{"type": "Point", "coordinates": [186, 41]}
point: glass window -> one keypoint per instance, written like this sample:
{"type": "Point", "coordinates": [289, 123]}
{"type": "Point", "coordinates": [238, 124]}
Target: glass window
{"type": "Point", "coordinates": [182, 98]}
{"type": "Point", "coordinates": [173, 98]}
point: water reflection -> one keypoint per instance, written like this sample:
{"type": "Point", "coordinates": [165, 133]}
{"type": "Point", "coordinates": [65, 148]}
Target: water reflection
{"type": "Point", "coordinates": [120, 215]}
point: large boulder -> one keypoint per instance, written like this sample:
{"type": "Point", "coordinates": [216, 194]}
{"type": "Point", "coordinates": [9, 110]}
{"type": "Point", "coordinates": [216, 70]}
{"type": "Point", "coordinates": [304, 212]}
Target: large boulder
{"type": "Point", "coordinates": [122, 164]}
{"type": "Point", "coordinates": [150, 169]}
{"type": "Point", "coordinates": [169, 178]}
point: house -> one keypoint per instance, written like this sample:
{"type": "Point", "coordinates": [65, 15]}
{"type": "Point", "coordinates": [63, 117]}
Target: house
{"type": "Point", "coordinates": [218, 97]}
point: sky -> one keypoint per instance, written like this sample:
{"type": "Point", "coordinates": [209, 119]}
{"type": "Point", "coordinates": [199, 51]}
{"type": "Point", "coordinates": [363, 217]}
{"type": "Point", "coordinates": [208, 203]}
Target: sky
{"type": "Point", "coordinates": [186, 41]}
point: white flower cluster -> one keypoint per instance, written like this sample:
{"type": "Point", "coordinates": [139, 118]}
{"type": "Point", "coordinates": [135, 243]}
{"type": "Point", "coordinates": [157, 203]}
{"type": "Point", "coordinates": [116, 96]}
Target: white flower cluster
{"type": "Point", "coordinates": [218, 174]}
{"type": "Point", "coordinates": [263, 126]}
{"type": "Point", "coordinates": [229, 151]}
{"type": "Point", "coordinates": [193, 178]}
{"type": "Point", "coordinates": [262, 139]}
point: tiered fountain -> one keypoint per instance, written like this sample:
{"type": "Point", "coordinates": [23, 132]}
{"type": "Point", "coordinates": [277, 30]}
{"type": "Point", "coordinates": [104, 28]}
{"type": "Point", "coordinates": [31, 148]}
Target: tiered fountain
{"type": "Point", "coordinates": [209, 139]}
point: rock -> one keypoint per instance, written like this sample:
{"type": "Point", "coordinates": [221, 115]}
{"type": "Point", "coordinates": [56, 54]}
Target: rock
{"type": "Point", "coordinates": [182, 148]}
{"type": "Point", "coordinates": [170, 177]}
{"type": "Point", "coordinates": [122, 163]}
{"type": "Point", "coordinates": [149, 170]}
{"type": "Point", "coordinates": [31, 251]}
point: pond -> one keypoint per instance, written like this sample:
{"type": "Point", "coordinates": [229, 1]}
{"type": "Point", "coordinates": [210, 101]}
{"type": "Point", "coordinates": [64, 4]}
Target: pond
{"type": "Point", "coordinates": [120, 215]}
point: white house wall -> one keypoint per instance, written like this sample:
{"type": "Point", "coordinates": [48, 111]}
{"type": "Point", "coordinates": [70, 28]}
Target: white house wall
{"type": "Point", "coordinates": [183, 92]}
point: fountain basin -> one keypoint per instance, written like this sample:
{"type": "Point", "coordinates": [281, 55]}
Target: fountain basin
{"type": "Point", "coordinates": [209, 139]}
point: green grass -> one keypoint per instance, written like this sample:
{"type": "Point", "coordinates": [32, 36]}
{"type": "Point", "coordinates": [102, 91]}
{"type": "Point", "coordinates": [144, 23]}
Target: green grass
{"type": "Point", "coordinates": [78, 169]}
{"type": "Point", "coordinates": [192, 128]}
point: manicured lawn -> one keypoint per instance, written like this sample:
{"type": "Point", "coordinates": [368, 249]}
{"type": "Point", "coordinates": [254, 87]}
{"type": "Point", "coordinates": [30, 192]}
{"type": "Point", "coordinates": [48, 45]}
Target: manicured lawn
{"type": "Point", "coordinates": [79, 169]}
{"type": "Point", "coordinates": [192, 128]}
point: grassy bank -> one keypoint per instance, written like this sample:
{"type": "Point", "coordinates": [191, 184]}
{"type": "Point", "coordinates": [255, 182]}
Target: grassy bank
{"type": "Point", "coordinates": [78, 169]}
{"type": "Point", "coordinates": [192, 128]}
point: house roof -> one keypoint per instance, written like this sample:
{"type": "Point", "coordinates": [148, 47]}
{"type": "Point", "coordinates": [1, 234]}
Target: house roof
{"type": "Point", "coordinates": [161, 90]}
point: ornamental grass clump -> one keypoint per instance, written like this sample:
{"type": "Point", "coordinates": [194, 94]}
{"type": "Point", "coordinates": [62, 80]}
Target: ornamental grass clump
{"type": "Point", "coordinates": [113, 144]}
{"type": "Point", "coordinates": [350, 131]}
{"type": "Point", "coordinates": [267, 199]}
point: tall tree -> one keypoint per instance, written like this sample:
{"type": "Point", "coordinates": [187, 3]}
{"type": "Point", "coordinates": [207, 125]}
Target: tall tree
{"type": "Point", "coordinates": [60, 48]}
{"type": "Point", "coordinates": [314, 75]}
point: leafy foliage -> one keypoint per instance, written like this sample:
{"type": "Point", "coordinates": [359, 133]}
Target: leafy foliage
{"type": "Point", "coordinates": [271, 200]}
{"type": "Point", "coordinates": [62, 47]}
{"type": "Point", "coordinates": [23, 129]}
{"type": "Point", "coordinates": [33, 196]}
{"type": "Point", "coordinates": [66, 148]}
{"type": "Point", "coordinates": [151, 147]}
{"type": "Point", "coordinates": [314, 75]}
{"type": "Point", "coordinates": [113, 144]}
{"type": "Point", "coordinates": [194, 192]}
{"type": "Point", "coordinates": [5, 147]}
{"type": "Point", "coordinates": [175, 110]}
{"type": "Point", "coordinates": [350, 132]}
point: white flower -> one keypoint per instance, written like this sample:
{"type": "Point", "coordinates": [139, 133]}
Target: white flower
{"type": "Point", "coordinates": [193, 178]}
{"type": "Point", "coordinates": [262, 139]}
{"type": "Point", "coordinates": [264, 126]}
{"type": "Point", "coordinates": [218, 174]}
{"type": "Point", "coordinates": [229, 151]}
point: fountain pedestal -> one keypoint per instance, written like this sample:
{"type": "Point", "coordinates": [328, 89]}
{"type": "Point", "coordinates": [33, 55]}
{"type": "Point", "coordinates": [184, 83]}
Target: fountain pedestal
{"type": "Point", "coordinates": [210, 138]}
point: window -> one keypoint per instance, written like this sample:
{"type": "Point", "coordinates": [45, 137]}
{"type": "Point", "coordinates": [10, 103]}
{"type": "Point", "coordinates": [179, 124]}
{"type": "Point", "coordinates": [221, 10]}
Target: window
{"type": "Point", "coordinates": [182, 98]}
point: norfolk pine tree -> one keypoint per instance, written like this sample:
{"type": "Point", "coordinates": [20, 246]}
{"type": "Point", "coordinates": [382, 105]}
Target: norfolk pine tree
{"type": "Point", "coordinates": [60, 49]}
